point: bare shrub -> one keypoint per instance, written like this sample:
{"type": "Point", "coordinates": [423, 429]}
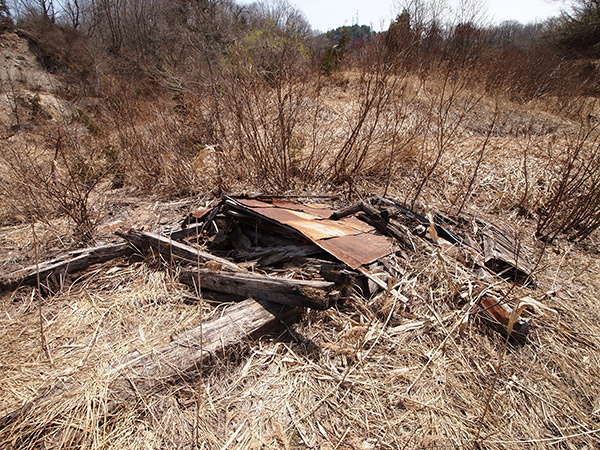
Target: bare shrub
{"type": "Point", "coordinates": [450, 101]}
{"type": "Point", "coordinates": [573, 207]}
{"type": "Point", "coordinates": [375, 88]}
{"type": "Point", "coordinates": [154, 146]}
{"type": "Point", "coordinates": [379, 129]}
{"type": "Point", "coordinates": [55, 176]}
{"type": "Point", "coordinates": [266, 92]}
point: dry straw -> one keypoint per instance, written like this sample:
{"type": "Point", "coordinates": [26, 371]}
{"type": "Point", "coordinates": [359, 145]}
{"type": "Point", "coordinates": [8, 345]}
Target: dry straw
{"type": "Point", "coordinates": [367, 374]}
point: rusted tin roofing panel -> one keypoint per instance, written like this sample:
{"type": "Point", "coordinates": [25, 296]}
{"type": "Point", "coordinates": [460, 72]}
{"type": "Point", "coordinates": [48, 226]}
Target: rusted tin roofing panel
{"type": "Point", "coordinates": [313, 227]}
{"type": "Point", "coordinates": [357, 250]}
{"type": "Point", "coordinates": [357, 224]}
{"type": "Point", "coordinates": [350, 240]}
{"type": "Point", "coordinates": [318, 210]}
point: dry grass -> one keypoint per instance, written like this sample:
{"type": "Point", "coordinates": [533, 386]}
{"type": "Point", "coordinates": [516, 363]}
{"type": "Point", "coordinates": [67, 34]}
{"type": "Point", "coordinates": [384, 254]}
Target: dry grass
{"type": "Point", "coordinates": [364, 375]}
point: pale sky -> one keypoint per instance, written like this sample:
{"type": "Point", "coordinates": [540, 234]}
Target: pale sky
{"type": "Point", "coordinates": [324, 15]}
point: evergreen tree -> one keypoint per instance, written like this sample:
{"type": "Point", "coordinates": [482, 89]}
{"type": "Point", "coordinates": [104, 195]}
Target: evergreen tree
{"type": "Point", "coordinates": [579, 30]}
{"type": "Point", "coordinates": [5, 19]}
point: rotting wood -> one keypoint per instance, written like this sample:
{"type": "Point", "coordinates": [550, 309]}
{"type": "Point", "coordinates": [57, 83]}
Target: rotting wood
{"type": "Point", "coordinates": [169, 248]}
{"type": "Point", "coordinates": [504, 255]}
{"type": "Point", "coordinates": [347, 211]}
{"type": "Point", "coordinates": [311, 294]}
{"type": "Point", "coordinates": [400, 223]}
{"type": "Point", "coordinates": [501, 253]}
{"type": "Point", "coordinates": [69, 263]}
{"type": "Point", "coordinates": [188, 349]}
{"type": "Point", "coordinates": [338, 273]}
{"type": "Point", "coordinates": [393, 210]}
{"type": "Point", "coordinates": [272, 256]}
{"type": "Point", "coordinates": [138, 374]}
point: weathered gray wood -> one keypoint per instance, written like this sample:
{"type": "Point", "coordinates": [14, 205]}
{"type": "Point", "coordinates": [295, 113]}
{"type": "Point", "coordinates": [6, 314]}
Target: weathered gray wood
{"type": "Point", "coordinates": [189, 349]}
{"type": "Point", "coordinates": [145, 374]}
{"type": "Point", "coordinates": [69, 263]}
{"type": "Point", "coordinates": [311, 294]}
{"type": "Point", "coordinates": [504, 255]}
{"type": "Point", "coordinates": [283, 253]}
{"type": "Point", "coordinates": [169, 248]}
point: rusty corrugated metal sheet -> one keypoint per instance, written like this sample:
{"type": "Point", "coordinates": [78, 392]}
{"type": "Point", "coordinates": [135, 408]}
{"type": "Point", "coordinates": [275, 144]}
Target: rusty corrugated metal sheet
{"type": "Point", "coordinates": [357, 224]}
{"type": "Point", "coordinates": [349, 239]}
{"type": "Point", "coordinates": [318, 210]}
{"type": "Point", "coordinates": [311, 226]}
{"type": "Point", "coordinates": [358, 249]}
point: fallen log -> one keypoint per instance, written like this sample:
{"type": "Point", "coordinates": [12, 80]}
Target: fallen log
{"type": "Point", "coordinates": [69, 263]}
{"type": "Point", "coordinates": [169, 248]}
{"type": "Point", "coordinates": [137, 375]}
{"type": "Point", "coordinates": [310, 294]}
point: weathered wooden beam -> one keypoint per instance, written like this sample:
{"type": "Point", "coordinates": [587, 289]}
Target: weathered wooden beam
{"type": "Point", "coordinates": [347, 211]}
{"type": "Point", "coordinates": [310, 294]}
{"type": "Point", "coordinates": [69, 263]}
{"type": "Point", "coordinates": [138, 374]}
{"type": "Point", "coordinates": [169, 248]}
{"type": "Point", "coordinates": [195, 347]}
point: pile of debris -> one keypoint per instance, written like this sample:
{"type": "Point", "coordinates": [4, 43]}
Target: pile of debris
{"type": "Point", "coordinates": [275, 256]}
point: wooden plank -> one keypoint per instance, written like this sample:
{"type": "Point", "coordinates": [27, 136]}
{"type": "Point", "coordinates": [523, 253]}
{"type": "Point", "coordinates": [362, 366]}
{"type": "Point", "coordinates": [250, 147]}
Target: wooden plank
{"type": "Point", "coordinates": [504, 256]}
{"type": "Point", "coordinates": [138, 374]}
{"type": "Point", "coordinates": [189, 349]}
{"type": "Point", "coordinates": [69, 263]}
{"type": "Point", "coordinates": [272, 256]}
{"type": "Point", "coordinates": [310, 294]}
{"type": "Point", "coordinates": [169, 248]}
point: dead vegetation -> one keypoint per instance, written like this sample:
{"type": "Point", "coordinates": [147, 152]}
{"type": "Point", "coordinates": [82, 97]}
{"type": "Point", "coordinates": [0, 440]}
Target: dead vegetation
{"type": "Point", "coordinates": [142, 125]}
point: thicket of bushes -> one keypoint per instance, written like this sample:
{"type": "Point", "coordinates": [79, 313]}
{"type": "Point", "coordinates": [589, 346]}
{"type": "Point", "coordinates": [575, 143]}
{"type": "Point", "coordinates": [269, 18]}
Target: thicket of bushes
{"type": "Point", "coordinates": [207, 95]}
{"type": "Point", "coordinates": [155, 40]}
